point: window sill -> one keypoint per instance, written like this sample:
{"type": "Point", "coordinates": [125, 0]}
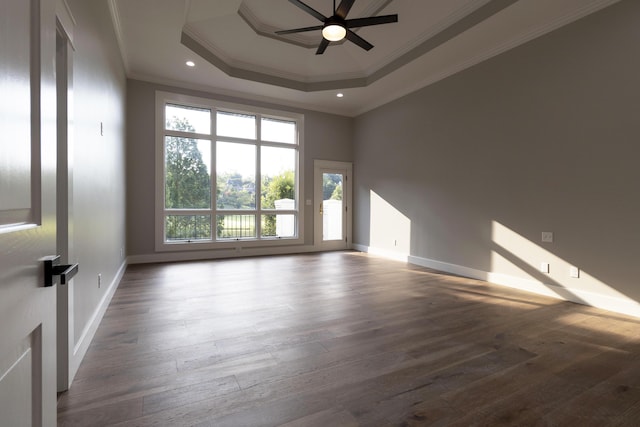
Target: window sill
{"type": "Point", "coordinates": [233, 244]}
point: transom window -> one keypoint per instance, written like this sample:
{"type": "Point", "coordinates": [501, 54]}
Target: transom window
{"type": "Point", "coordinates": [228, 174]}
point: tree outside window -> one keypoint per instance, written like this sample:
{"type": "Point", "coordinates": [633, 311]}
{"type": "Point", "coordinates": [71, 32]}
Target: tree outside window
{"type": "Point", "coordinates": [240, 205]}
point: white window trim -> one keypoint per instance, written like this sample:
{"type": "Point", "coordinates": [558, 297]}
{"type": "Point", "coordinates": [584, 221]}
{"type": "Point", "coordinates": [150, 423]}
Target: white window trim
{"type": "Point", "coordinates": [162, 98]}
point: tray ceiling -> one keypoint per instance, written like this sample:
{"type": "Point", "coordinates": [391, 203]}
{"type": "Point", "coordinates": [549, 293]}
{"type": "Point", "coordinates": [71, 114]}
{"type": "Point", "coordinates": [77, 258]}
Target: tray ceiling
{"type": "Point", "coordinates": [236, 51]}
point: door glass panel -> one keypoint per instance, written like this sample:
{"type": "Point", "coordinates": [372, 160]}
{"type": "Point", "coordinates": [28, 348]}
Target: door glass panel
{"type": "Point", "coordinates": [332, 206]}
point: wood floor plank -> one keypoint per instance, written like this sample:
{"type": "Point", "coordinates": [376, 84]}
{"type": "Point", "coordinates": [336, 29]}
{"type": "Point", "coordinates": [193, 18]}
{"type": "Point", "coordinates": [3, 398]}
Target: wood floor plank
{"type": "Point", "coordinates": [348, 339]}
{"type": "Point", "coordinates": [176, 397]}
{"type": "Point", "coordinates": [104, 415]}
{"type": "Point", "coordinates": [330, 417]}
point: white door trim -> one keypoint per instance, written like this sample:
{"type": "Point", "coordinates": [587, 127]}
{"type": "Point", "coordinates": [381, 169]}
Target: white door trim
{"type": "Point", "coordinates": [345, 168]}
{"type": "Point", "coordinates": [64, 201]}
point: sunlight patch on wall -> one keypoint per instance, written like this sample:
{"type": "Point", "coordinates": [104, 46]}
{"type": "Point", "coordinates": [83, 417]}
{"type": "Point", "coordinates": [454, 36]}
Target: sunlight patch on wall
{"type": "Point", "coordinates": [518, 262]}
{"type": "Point", "coordinates": [390, 230]}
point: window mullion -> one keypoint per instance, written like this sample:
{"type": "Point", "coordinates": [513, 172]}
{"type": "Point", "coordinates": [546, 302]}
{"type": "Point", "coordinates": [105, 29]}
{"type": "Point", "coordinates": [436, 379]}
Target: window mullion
{"type": "Point", "coordinates": [258, 177]}
{"type": "Point", "coordinates": [279, 144]}
{"type": "Point", "coordinates": [214, 175]}
{"type": "Point", "coordinates": [236, 140]}
{"type": "Point", "coordinates": [186, 134]}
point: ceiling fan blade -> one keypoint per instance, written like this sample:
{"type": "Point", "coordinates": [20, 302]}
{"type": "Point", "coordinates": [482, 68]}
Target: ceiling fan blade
{"type": "Point", "coordinates": [344, 8]}
{"type": "Point", "coordinates": [311, 11]}
{"type": "Point", "coordinates": [354, 38]}
{"type": "Point", "coordinates": [373, 20]}
{"type": "Point", "coordinates": [322, 47]}
{"type": "Point", "coordinates": [299, 30]}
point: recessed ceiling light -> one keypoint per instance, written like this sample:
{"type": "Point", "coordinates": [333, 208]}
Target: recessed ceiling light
{"type": "Point", "coordinates": [340, 95]}
{"type": "Point", "coordinates": [190, 64]}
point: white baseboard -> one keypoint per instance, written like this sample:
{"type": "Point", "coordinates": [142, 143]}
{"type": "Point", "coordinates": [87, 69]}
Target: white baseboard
{"type": "Point", "coordinates": [81, 347]}
{"type": "Point", "coordinates": [625, 306]}
{"type": "Point", "coordinates": [385, 253]}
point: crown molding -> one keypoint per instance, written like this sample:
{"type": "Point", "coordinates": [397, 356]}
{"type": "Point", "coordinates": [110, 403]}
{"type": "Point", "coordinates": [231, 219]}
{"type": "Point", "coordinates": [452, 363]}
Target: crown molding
{"type": "Point", "coordinates": [264, 30]}
{"type": "Point", "coordinates": [274, 78]}
{"type": "Point", "coordinates": [66, 21]}
{"type": "Point", "coordinates": [117, 28]}
{"type": "Point", "coordinates": [240, 96]}
{"type": "Point", "coordinates": [277, 78]}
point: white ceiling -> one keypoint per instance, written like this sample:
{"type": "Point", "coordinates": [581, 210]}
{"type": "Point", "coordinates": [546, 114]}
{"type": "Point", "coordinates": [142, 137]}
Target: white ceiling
{"type": "Point", "coordinates": [237, 53]}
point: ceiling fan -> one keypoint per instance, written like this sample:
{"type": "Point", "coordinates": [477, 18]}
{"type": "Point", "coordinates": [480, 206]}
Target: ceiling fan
{"type": "Point", "coordinates": [337, 26]}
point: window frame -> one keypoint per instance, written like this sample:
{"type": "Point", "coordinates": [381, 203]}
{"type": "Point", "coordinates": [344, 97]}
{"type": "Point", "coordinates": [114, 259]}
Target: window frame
{"type": "Point", "coordinates": [164, 98]}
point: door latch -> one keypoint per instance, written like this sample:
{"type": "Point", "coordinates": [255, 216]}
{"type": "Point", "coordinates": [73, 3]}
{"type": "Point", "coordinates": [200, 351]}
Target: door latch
{"type": "Point", "coordinates": [52, 267]}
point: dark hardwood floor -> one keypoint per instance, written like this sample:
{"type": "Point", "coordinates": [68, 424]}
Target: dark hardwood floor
{"type": "Point", "coordinates": [347, 339]}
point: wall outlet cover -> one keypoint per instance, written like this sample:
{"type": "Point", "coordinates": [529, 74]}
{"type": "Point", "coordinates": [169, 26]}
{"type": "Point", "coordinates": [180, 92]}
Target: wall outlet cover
{"type": "Point", "coordinates": [574, 272]}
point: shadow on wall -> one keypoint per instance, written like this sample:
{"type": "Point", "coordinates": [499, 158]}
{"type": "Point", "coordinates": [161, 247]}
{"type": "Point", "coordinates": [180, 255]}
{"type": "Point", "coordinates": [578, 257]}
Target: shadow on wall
{"type": "Point", "coordinates": [514, 261]}
{"type": "Point", "coordinates": [546, 273]}
{"type": "Point", "coordinates": [390, 230]}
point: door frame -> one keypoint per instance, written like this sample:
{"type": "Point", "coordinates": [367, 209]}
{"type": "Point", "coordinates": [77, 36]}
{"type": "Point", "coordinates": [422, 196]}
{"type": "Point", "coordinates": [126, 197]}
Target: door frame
{"type": "Point", "coordinates": [65, 26]}
{"type": "Point", "coordinates": [345, 168]}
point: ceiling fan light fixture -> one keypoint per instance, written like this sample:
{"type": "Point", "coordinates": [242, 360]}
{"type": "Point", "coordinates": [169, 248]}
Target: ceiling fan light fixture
{"type": "Point", "coordinates": [334, 32]}
{"type": "Point", "coordinates": [337, 26]}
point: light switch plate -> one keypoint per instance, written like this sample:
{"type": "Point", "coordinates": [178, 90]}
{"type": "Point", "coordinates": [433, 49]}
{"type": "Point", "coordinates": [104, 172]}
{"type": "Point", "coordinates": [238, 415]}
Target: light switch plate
{"type": "Point", "coordinates": [544, 267]}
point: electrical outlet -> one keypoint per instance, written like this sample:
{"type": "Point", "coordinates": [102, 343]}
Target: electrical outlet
{"type": "Point", "coordinates": [99, 280]}
{"type": "Point", "coordinates": [547, 236]}
{"type": "Point", "coordinates": [574, 272]}
{"type": "Point", "coordinates": [544, 267]}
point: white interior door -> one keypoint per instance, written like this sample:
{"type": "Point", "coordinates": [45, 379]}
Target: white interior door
{"type": "Point", "coordinates": [332, 205]}
{"type": "Point", "coordinates": [27, 213]}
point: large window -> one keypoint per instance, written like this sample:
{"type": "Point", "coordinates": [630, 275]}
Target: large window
{"type": "Point", "coordinates": [227, 174]}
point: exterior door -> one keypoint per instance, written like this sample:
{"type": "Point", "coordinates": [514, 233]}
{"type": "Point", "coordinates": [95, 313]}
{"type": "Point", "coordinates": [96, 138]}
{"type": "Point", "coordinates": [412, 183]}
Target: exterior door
{"type": "Point", "coordinates": [27, 213]}
{"type": "Point", "coordinates": [332, 202]}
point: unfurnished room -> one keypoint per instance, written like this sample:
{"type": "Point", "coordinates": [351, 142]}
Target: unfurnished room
{"type": "Point", "coordinates": [319, 213]}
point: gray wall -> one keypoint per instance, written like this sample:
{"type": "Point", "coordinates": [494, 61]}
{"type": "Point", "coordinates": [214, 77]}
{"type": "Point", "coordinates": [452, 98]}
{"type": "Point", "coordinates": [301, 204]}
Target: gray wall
{"type": "Point", "coordinates": [542, 138]}
{"type": "Point", "coordinates": [326, 137]}
{"type": "Point", "coordinates": [98, 196]}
